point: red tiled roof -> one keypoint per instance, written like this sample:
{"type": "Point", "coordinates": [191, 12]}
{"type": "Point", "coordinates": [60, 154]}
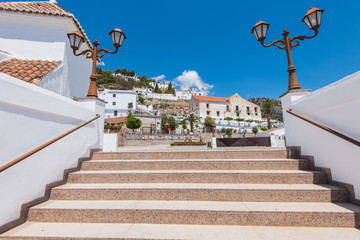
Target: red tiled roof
{"type": "Point", "coordinates": [211, 99]}
{"type": "Point", "coordinates": [115, 120]}
{"type": "Point", "coordinates": [35, 7]}
{"type": "Point", "coordinates": [31, 71]}
{"type": "Point", "coordinates": [44, 8]}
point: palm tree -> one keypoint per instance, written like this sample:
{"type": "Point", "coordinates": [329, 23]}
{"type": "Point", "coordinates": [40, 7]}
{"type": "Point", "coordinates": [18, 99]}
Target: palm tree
{"type": "Point", "coordinates": [192, 118]}
{"type": "Point", "coordinates": [267, 104]}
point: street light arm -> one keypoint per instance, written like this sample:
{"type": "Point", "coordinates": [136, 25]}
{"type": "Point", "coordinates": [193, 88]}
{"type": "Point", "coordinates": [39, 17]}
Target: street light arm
{"type": "Point", "coordinates": [302, 38]}
{"type": "Point", "coordinates": [280, 44]}
{"type": "Point", "coordinates": [87, 52]}
{"type": "Point", "coordinates": [102, 51]}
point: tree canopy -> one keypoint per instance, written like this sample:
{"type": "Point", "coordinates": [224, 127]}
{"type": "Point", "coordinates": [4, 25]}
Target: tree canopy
{"type": "Point", "coordinates": [133, 123]}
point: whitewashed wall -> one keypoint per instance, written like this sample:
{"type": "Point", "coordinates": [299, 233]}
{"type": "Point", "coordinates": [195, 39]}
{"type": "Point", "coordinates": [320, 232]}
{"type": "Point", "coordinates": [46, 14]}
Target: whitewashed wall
{"type": "Point", "coordinates": [41, 37]}
{"type": "Point", "coordinates": [336, 106]}
{"type": "Point", "coordinates": [31, 116]}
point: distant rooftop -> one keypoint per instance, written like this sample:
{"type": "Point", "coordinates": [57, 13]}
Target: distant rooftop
{"type": "Point", "coordinates": [211, 99]}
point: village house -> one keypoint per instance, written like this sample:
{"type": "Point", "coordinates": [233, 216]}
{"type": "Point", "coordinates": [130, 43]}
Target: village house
{"type": "Point", "coordinates": [161, 84]}
{"type": "Point", "coordinates": [186, 94]}
{"type": "Point", "coordinates": [118, 102]}
{"type": "Point", "coordinates": [220, 108]}
{"type": "Point", "coordinates": [34, 47]}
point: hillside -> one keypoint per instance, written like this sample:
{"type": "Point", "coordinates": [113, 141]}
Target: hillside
{"type": "Point", "coordinates": [276, 110]}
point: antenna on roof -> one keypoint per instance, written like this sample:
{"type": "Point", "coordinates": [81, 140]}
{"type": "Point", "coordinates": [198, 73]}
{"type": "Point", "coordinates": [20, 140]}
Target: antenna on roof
{"type": "Point", "coordinates": [52, 1]}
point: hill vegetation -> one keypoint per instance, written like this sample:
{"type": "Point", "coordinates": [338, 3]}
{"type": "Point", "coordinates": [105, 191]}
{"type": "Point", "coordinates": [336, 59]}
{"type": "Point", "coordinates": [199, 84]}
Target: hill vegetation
{"type": "Point", "coordinates": [276, 110]}
{"type": "Point", "coordinates": [122, 79]}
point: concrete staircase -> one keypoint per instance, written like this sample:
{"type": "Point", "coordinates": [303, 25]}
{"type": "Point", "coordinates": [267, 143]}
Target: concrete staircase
{"type": "Point", "coordinates": [211, 194]}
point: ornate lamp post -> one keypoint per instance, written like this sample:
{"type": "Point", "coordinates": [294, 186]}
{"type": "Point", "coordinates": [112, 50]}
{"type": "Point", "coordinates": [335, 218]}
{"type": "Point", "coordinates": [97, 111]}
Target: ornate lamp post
{"type": "Point", "coordinates": [213, 128]}
{"type": "Point", "coordinates": [76, 39]}
{"type": "Point", "coordinates": [312, 19]}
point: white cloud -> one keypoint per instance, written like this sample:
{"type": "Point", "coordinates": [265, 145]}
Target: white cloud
{"type": "Point", "coordinates": [101, 63]}
{"type": "Point", "coordinates": [190, 78]}
{"type": "Point", "coordinates": [158, 78]}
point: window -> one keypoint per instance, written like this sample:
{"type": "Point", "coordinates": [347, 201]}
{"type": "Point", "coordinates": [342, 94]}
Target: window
{"type": "Point", "coordinates": [237, 108]}
{"type": "Point", "coordinates": [255, 109]}
{"type": "Point", "coordinates": [115, 113]}
{"type": "Point", "coordinates": [248, 109]}
{"type": "Point", "coordinates": [255, 114]}
{"type": "Point", "coordinates": [237, 114]}
{"type": "Point", "coordinates": [248, 113]}
{"type": "Point", "coordinates": [218, 113]}
{"type": "Point", "coordinates": [114, 103]}
{"type": "Point", "coordinates": [114, 95]}
{"type": "Point", "coordinates": [227, 108]}
{"type": "Point", "coordinates": [207, 105]}
{"type": "Point", "coordinates": [208, 113]}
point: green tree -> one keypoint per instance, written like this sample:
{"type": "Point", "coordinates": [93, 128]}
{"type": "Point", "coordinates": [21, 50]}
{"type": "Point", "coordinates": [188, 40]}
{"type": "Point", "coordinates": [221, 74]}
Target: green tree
{"type": "Point", "coordinates": [228, 119]}
{"type": "Point", "coordinates": [131, 74]}
{"type": "Point", "coordinates": [170, 88]}
{"type": "Point", "coordinates": [123, 71]}
{"type": "Point", "coordinates": [229, 131]}
{"type": "Point", "coordinates": [267, 105]}
{"type": "Point", "coordinates": [171, 121]}
{"type": "Point", "coordinates": [141, 100]}
{"type": "Point", "coordinates": [157, 90]}
{"type": "Point", "coordinates": [239, 120]}
{"type": "Point", "coordinates": [208, 122]}
{"type": "Point", "coordinates": [118, 70]}
{"type": "Point", "coordinates": [98, 70]}
{"type": "Point", "coordinates": [255, 130]}
{"type": "Point", "coordinates": [133, 123]}
{"type": "Point", "coordinates": [192, 119]}
{"type": "Point", "coordinates": [130, 106]}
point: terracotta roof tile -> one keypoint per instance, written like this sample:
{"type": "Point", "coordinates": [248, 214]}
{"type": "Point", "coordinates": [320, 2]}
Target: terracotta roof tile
{"type": "Point", "coordinates": [44, 8]}
{"type": "Point", "coordinates": [25, 69]}
{"type": "Point", "coordinates": [211, 99]}
{"type": "Point", "coordinates": [115, 120]}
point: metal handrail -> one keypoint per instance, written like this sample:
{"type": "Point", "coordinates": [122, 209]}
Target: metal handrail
{"type": "Point", "coordinates": [340, 135]}
{"type": "Point", "coordinates": [19, 159]}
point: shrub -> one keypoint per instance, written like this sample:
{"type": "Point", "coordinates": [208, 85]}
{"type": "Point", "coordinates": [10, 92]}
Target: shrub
{"type": "Point", "coordinates": [263, 129]}
{"type": "Point", "coordinates": [229, 131]}
{"type": "Point", "coordinates": [255, 130]}
{"type": "Point", "coordinates": [133, 123]}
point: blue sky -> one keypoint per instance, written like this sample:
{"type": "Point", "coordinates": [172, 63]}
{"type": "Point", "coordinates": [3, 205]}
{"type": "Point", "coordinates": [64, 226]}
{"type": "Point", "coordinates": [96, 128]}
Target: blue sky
{"type": "Point", "coordinates": [214, 39]}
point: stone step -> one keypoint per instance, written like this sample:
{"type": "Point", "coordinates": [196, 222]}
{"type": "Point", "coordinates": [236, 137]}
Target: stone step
{"type": "Point", "coordinates": [200, 176]}
{"type": "Point", "coordinates": [202, 192]}
{"type": "Point", "coordinates": [216, 164]}
{"type": "Point", "coordinates": [199, 212]}
{"type": "Point", "coordinates": [254, 153]}
{"type": "Point", "coordinates": [111, 231]}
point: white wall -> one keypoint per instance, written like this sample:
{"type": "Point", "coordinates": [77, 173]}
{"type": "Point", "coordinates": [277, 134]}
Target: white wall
{"type": "Point", "coordinates": [335, 106]}
{"type": "Point", "coordinates": [122, 99]}
{"type": "Point", "coordinates": [41, 37]}
{"type": "Point", "coordinates": [31, 116]}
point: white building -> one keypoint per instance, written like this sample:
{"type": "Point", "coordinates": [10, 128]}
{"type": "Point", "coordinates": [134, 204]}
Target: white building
{"type": "Point", "coordinates": [118, 102]}
{"type": "Point", "coordinates": [186, 94]}
{"type": "Point", "coordinates": [126, 77]}
{"type": "Point", "coordinates": [144, 91]}
{"type": "Point", "coordinates": [161, 84]}
{"type": "Point", "coordinates": [35, 47]}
